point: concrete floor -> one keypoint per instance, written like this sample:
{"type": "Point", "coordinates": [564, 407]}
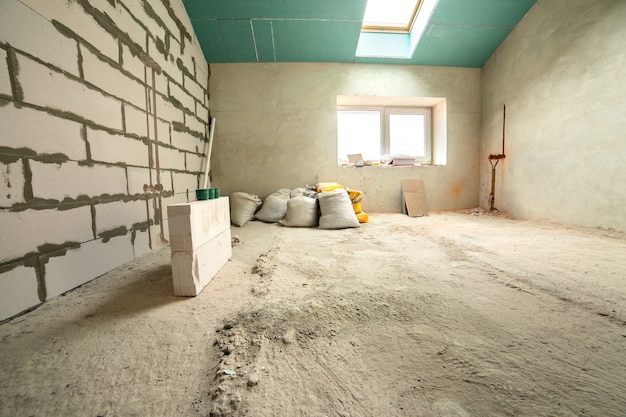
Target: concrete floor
{"type": "Point", "coordinates": [454, 314]}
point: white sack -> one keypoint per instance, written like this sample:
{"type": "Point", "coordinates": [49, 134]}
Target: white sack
{"type": "Point", "coordinates": [242, 207]}
{"type": "Point", "coordinates": [274, 207]}
{"type": "Point", "coordinates": [337, 211]}
{"type": "Point", "coordinates": [301, 212]}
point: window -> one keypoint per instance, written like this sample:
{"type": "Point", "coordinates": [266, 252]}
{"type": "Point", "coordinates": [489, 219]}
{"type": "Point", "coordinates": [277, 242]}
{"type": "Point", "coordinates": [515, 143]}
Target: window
{"type": "Point", "coordinates": [390, 15]}
{"type": "Point", "coordinates": [393, 28]}
{"type": "Point", "coordinates": [381, 133]}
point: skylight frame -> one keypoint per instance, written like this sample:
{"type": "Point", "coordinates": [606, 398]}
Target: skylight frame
{"type": "Point", "coordinates": [391, 28]}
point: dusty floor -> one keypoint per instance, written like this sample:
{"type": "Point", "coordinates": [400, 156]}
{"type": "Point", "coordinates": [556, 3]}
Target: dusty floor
{"type": "Point", "coordinates": [449, 315]}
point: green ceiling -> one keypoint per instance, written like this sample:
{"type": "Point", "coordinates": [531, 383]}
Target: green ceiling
{"type": "Point", "coordinates": [461, 33]}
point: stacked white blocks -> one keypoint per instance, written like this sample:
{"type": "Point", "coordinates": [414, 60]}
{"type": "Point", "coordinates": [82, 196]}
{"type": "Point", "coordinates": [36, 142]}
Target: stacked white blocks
{"type": "Point", "coordinates": [200, 243]}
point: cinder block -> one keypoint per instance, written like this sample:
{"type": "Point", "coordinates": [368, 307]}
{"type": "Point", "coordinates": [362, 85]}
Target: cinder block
{"type": "Point", "coordinates": [195, 162]}
{"type": "Point", "coordinates": [72, 15]}
{"type": "Point", "coordinates": [41, 132]}
{"type": "Point", "coordinates": [24, 29]}
{"type": "Point", "coordinates": [194, 124]}
{"type": "Point", "coordinates": [112, 80]}
{"type": "Point", "coordinates": [18, 291]}
{"type": "Point", "coordinates": [193, 224]}
{"type": "Point", "coordinates": [166, 180]}
{"type": "Point", "coordinates": [183, 97]}
{"type": "Point", "coordinates": [187, 142]}
{"type": "Point", "coordinates": [135, 121]}
{"type": "Point", "coordinates": [167, 111]}
{"type": "Point", "coordinates": [157, 242]}
{"type": "Point", "coordinates": [192, 271]}
{"type": "Point", "coordinates": [184, 182]}
{"type": "Point", "coordinates": [167, 63]}
{"type": "Point", "coordinates": [194, 88]}
{"type": "Point", "coordinates": [202, 66]}
{"type": "Point", "coordinates": [5, 81]}
{"type": "Point", "coordinates": [171, 158]}
{"type": "Point", "coordinates": [59, 181]}
{"type": "Point", "coordinates": [202, 112]}
{"type": "Point", "coordinates": [132, 63]}
{"type": "Point", "coordinates": [141, 243]}
{"type": "Point", "coordinates": [137, 177]}
{"type": "Point", "coordinates": [122, 20]}
{"type": "Point", "coordinates": [181, 14]}
{"type": "Point", "coordinates": [11, 184]}
{"type": "Point", "coordinates": [107, 147]}
{"type": "Point", "coordinates": [185, 57]}
{"type": "Point", "coordinates": [91, 260]}
{"type": "Point", "coordinates": [137, 10]}
{"type": "Point", "coordinates": [163, 129]}
{"type": "Point", "coordinates": [113, 215]}
{"type": "Point", "coordinates": [164, 15]}
{"type": "Point", "coordinates": [23, 232]}
{"type": "Point", "coordinates": [52, 89]}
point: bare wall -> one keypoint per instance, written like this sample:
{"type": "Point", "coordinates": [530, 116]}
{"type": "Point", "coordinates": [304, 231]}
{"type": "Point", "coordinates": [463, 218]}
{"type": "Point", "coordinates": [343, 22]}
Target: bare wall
{"type": "Point", "coordinates": [277, 128]}
{"type": "Point", "coordinates": [77, 138]}
{"type": "Point", "coordinates": [562, 75]}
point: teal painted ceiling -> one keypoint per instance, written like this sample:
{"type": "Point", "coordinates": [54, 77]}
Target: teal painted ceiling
{"type": "Point", "coordinates": [461, 33]}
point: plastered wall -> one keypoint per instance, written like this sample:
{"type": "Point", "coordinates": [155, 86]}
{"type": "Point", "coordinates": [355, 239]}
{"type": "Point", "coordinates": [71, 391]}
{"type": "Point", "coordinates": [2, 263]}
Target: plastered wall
{"type": "Point", "coordinates": [562, 75]}
{"type": "Point", "coordinates": [77, 138]}
{"type": "Point", "coordinates": [277, 128]}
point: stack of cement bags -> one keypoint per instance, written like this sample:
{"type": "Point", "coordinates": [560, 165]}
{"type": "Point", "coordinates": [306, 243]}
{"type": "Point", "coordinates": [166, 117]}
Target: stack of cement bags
{"type": "Point", "coordinates": [330, 205]}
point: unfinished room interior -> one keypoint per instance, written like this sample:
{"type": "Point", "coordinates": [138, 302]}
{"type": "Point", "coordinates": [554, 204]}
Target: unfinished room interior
{"type": "Point", "coordinates": [313, 208]}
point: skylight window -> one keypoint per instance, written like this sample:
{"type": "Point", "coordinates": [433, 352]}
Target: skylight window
{"type": "Point", "coordinates": [390, 15]}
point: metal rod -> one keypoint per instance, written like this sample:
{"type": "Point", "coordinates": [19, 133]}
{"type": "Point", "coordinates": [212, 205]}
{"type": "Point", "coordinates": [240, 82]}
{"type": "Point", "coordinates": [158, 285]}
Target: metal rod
{"type": "Point", "coordinates": [503, 125]}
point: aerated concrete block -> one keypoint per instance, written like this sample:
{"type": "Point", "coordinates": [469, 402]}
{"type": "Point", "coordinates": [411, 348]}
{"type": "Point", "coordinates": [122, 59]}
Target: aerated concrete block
{"type": "Point", "coordinates": [5, 81]}
{"type": "Point", "coordinates": [18, 291]}
{"type": "Point", "coordinates": [78, 266]}
{"type": "Point", "coordinates": [192, 271]}
{"type": "Point", "coordinates": [194, 224]}
{"type": "Point", "coordinates": [26, 30]}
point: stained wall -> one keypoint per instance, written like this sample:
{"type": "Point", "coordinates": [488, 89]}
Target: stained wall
{"type": "Point", "coordinates": [78, 143]}
{"type": "Point", "coordinates": [562, 76]}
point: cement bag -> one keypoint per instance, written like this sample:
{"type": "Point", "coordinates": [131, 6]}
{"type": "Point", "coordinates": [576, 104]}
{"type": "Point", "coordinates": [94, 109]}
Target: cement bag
{"type": "Point", "coordinates": [274, 207]}
{"type": "Point", "coordinates": [301, 212]}
{"type": "Point", "coordinates": [242, 207]}
{"type": "Point", "coordinates": [336, 209]}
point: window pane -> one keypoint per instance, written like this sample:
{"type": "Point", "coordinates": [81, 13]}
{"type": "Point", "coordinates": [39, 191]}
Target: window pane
{"type": "Point", "coordinates": [389, 12]}
{"type": "Point", "coordinates": [358, 132]}
{"type": "Point", "coordinates": [406, 133]}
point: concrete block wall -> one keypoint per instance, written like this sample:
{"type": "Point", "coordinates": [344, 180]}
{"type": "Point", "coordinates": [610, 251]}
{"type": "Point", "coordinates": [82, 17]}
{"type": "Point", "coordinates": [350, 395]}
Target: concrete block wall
{"type": "Point", "coordinates": [77, 139]}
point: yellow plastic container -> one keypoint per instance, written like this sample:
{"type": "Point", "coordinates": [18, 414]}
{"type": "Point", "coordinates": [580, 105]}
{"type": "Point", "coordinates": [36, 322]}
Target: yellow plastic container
{"type": "Point", "coordinates": [325, 187]}
{"type": "Point", "coordinates": [357, 208]}
{"type": "Point", "coordinates": [362, 217]}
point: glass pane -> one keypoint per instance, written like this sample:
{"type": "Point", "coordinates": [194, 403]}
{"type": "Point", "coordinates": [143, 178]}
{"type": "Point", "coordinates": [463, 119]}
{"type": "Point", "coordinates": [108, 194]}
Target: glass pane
{"type": "Point", "coordinates": [358, 132]}
{"type": "Point", "coordinates": [389, 12]}
{"type": "Point", "coordinates": [406, 134]}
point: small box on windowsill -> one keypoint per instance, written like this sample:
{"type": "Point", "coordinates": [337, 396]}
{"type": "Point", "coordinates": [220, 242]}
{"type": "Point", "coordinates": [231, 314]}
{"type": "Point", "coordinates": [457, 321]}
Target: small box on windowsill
{"type": "Point", "coordinates": [403, 160]}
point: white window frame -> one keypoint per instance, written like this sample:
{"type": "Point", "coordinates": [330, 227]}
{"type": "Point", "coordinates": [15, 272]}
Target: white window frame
{"type": "Point", "coordinates": [385, 137]}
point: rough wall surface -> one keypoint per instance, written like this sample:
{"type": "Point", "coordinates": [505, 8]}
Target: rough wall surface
{"type": "Point", "coordinates": [277, 128]}
{"type": "Point", "coordinates": [78, 144]}
{"type": "Point", "coordinates": [562, 75]}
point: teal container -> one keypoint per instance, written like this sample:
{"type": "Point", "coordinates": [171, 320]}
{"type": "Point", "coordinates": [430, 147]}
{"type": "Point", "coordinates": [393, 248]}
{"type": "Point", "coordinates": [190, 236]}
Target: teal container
{"type": "Point", "coordinates": [202, 194]}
